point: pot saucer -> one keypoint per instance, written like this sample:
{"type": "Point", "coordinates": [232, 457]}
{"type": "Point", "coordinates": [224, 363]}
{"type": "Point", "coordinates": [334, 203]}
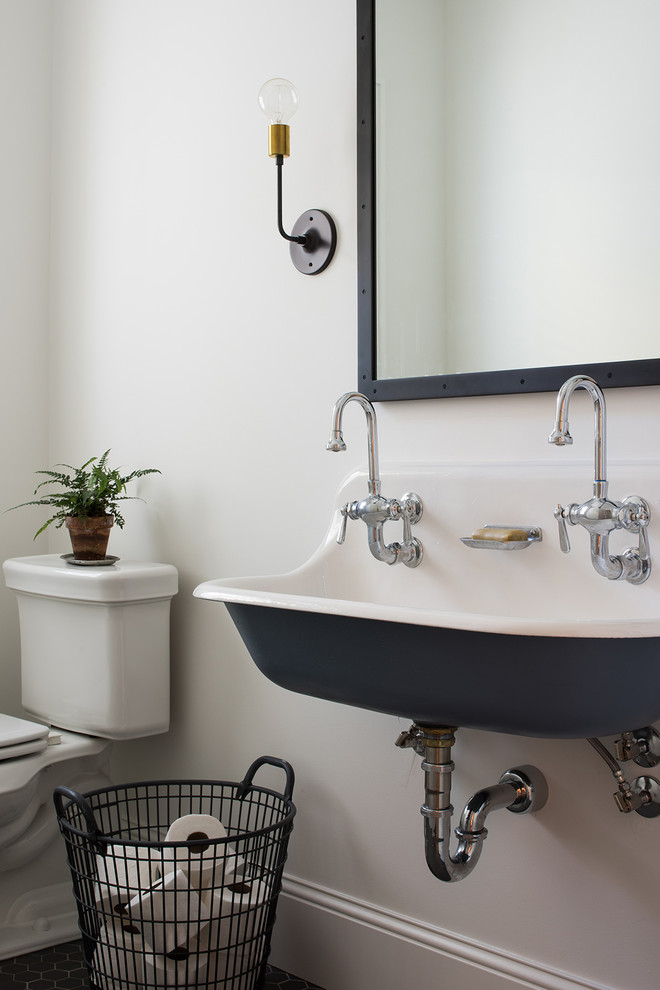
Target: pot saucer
{"type": "Point", "coordinates": [104, 562]}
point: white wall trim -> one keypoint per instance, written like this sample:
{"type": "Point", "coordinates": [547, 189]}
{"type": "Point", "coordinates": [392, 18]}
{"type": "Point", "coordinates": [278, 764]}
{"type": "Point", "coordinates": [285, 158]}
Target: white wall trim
{"type": "Point", "coordinates": [503, 966]}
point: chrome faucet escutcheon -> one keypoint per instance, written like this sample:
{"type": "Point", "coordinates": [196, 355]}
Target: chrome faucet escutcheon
{"type": "Point", "coordinates": [600, 516]}
{"type": "Point", "coordinates": [375, 510]}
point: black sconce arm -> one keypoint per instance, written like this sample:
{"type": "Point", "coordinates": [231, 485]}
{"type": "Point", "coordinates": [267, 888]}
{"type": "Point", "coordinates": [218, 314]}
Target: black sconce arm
{"type": "Point", "coordinates": [313, 239]}
{"type": "Point", "coordinates": [297, 239]}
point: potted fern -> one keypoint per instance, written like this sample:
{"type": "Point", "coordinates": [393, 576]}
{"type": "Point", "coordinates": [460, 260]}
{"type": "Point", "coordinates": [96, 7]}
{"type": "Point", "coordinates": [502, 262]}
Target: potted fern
{"type": "Point", "coordinates": [86, 502]}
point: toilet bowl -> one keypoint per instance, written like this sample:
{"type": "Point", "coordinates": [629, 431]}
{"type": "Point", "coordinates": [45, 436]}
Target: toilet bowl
{"type": "Point", "coordinates": [94, 668]}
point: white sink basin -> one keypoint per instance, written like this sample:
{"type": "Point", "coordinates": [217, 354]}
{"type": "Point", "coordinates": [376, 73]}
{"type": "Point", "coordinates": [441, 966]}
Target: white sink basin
{"type": "Point", "coordinates": [533, 642]}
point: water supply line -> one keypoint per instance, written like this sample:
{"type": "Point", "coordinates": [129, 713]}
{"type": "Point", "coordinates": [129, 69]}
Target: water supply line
{"type": "Point", "coordinates": [519, 790]}
{"type": "Point", "coordinates": [643, 793]}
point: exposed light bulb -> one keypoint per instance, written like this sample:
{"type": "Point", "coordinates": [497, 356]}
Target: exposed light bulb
{"type": "Point", "coordinates": [278, 98]}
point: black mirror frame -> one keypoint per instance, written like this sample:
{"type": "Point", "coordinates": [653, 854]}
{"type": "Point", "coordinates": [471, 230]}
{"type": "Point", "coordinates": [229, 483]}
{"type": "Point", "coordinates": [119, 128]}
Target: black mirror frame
{"type": "Point", "coordinates": [622, 374]}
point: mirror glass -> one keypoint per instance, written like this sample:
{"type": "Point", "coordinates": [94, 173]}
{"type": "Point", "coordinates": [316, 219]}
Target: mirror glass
{"type": "Point", "coordinates": [509, 163]}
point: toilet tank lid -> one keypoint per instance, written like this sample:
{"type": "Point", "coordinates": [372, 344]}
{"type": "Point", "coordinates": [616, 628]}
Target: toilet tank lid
{"type": "Point", "coordinates": [123, 581]}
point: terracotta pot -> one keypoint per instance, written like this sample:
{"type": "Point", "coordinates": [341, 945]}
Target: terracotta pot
{"type": "Point", "coordinates": [89, 535]}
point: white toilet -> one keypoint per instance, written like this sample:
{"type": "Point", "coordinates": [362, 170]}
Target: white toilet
{"type": "Point", "coordinates": [95, 656]}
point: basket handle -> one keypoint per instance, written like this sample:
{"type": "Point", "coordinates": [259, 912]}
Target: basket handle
{"type": "Point", "coordinates": [272, 761]}
{"type": "Point", "coordinates": [73, 797]}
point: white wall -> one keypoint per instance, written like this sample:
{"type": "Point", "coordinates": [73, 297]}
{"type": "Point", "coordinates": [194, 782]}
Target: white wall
{"type": "Point", "coordinates": [25, 63]}
{"type": "Point", "coordinates": [183, 338]}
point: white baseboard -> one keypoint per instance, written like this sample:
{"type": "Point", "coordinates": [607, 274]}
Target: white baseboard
{"type": "Point", "coordinates": [342, 943]}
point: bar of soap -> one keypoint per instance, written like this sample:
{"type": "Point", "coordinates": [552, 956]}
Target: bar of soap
{"type": "Point", "coordinates": [500, 535]}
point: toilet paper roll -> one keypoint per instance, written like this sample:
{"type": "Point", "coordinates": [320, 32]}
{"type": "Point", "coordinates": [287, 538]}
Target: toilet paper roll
{"type": "Point", "coordinates": [228, 863]}
{"type": "Point", "coordinates": [169, 914]}
{"type": "Point", "coordinates": [121, 874]}
{"type": "Point", "coordinates": [118, 959]}
{"type": "Point", "coordinates": [235, 915]}
{"type": "Point", "coordinates": [205, 859]}
{"type": "Point", "coordinates": [184, 970]}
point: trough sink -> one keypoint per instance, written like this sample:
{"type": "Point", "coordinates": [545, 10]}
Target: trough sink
{"type": "Point", "coordinates": [530, 643]}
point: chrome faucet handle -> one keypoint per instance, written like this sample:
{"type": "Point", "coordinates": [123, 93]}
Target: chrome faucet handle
{"type": "Point", "coordinates": [644, 550]}
{"type": "Point", "coordinates": [347, 511]}
{"type": "Point", "coordinates": [341, 535]}
{"type": "Point", "coordinates": [411, 512]}
{"type": "Point", "coordinates": [634, 516]}
{"type": "Point", "coordinates": [564, 542]}
{"type": "Point", "coordinates": [409, 509]}
{"type": "Point", "coordinates": [407, 528]}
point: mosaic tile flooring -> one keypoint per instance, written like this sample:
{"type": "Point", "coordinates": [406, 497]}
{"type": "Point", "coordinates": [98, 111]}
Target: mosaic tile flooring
{"type": "Point", "coordinates": [62, 968]}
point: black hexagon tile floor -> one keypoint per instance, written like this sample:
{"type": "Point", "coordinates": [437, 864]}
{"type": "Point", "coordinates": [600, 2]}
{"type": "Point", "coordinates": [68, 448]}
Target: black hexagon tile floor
{"type": "Point", "coordinates": [62, 968]}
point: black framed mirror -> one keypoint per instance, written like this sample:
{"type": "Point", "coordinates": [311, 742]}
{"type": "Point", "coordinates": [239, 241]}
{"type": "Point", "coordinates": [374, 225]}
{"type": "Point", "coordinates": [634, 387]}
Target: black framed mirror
{"type": "Point", "coordinates": [432, 249]}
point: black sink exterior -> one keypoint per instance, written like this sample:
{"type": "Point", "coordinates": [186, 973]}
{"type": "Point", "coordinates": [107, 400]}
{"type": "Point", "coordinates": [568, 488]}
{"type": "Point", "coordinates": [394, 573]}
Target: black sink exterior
{"type": "Point", "coordinates": [544, 686]}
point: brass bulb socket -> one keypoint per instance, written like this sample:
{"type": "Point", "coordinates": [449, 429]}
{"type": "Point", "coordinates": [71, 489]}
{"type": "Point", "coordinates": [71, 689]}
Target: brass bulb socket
{"type": "Point", "coordinates": [278, 140]}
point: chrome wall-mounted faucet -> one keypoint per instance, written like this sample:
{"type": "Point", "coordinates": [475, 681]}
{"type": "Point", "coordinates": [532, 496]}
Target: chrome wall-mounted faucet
{"type": "Point", "coordinates": [599, 515]}
{"type": "Point", "coordinates": [375, 510]}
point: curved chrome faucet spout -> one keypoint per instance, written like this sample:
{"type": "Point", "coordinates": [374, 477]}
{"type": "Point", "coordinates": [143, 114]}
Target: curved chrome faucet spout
{"type": "Point", "coordinates": [336, 441]}
{"type": "Point", "coordinates": [561, 436]}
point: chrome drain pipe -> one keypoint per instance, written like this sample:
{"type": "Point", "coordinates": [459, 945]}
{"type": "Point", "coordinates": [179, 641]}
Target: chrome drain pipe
{"type": "Point", "coordinates": [519, 790]}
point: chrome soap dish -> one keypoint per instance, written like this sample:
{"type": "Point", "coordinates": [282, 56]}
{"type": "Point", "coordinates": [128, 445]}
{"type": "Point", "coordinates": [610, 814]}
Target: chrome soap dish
{"type": "Point", "coordinates": [497, 537]}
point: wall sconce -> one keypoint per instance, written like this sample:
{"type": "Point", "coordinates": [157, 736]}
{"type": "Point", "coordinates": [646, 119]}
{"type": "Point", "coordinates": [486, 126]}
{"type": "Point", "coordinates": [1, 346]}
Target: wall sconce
{"type": "Point", "coordinates": [313, 237]}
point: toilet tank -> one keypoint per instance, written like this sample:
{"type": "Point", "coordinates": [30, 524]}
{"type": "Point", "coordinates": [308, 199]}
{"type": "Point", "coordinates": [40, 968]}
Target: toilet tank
{"type": "Point", "coordinates": [95, 644]}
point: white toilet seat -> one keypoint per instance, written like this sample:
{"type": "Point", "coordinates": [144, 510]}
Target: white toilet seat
{"type": "Point", "coordinates": [64, 746]}
{"type": "Point", "coordinates": [18, 737]}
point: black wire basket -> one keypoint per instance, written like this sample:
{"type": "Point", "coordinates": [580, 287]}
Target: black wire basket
{"type": "Point", "coordinates": [176, 882]}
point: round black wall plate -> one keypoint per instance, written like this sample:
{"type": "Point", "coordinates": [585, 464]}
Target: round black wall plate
{"type": "Point", "coordinates": [316, 253]}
